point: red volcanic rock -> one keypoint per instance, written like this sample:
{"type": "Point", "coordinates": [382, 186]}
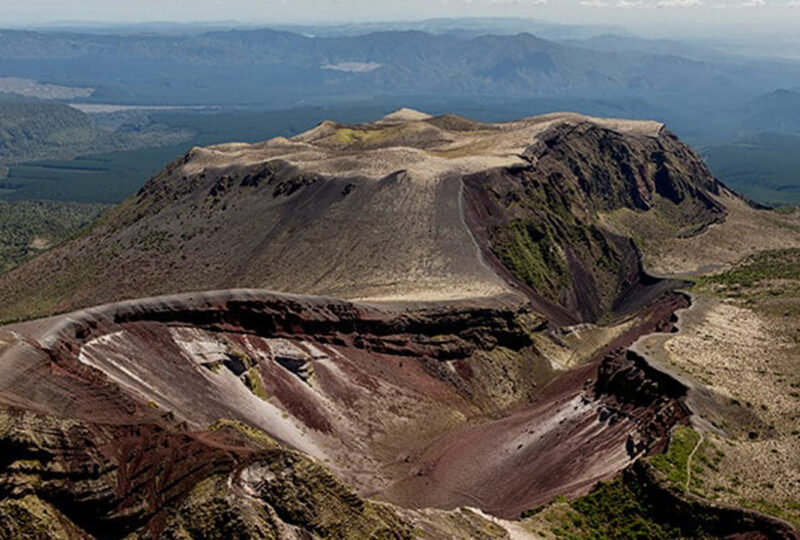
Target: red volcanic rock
{"type": "Point", "coordinates": [146, 379]}
{"type": "Point", "coordinates": [245, 413]}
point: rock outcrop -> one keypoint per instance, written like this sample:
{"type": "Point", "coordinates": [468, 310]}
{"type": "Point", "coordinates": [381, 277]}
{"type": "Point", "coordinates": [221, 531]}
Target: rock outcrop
{"type": "Point", "coordinates": [390, 211]}
{"type": "Point", "coordinates": [444, 264]}
{"type": "Point", "coordinates": [131, 417]}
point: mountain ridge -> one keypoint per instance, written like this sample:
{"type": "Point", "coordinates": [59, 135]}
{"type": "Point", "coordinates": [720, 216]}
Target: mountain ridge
{"type": "Point", "coordinates": [388, 195]}
{"type": "Point", "coordinates": [461, 302]}
{"type": "Point", "coordinates": [403, 64]}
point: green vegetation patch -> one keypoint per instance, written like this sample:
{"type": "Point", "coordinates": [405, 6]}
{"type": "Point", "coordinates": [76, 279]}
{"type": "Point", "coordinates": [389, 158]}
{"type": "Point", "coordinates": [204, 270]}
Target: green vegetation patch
{"type": "Point", "coordinates": [646, 500]}
{"type": "Point", "coordinates": [347, 136]}
{"type": "Point", "coordinates": [532, 255]}
{"type": "Point", "coordinates": [30, 517]}
{"type": "Point", "coordinates": [766, 265]}
{"type": "Point", "coordinates": [620, 509]}
{"type": "Point", "coordinates": [253, 434]}
{"type": "Point", "coordinates": [673, 464]}
{"type": "Point", "coordinates": [294, 490]}
{"type": "Point", "coordinates": [304, 493]}
{"type": "Point", "coordinates": [29, 227]}
{"type": "Point", "coordinates": [616, 510]}
{"type": "Point", "coordinates": [789, 511]}
{"type": "Point", "coordinates": [253, 381]}
{"type": "Point", "coordinates": [696, 475]}
{"type": "Point", "coordinates": [210, 511]}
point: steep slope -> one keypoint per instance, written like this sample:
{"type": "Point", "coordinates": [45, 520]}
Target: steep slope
{"type": "Point", "coordinates": [132, 417]}
{"type": "Point", "coordinates": [540, 221]}
{"type": "Point", "coordinates": [242, 413]}
{"type": "Point", "coordinates": [461, 369]}
{"type": "Point", "coordinates": [377, 211]}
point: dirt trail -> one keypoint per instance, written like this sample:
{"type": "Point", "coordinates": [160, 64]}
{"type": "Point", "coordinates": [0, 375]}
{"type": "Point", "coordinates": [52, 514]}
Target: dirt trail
{"type": "Point", "coordinates": [689, 462]}
{"type": "Point", "coordinates": [651, 348]}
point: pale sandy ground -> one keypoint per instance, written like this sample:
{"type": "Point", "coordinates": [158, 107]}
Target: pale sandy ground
{"type": "Point", "coordinates": [416, 146]}
{"type": "Point", "coordinates": [31, 88]}
{"type": "Point", "coordinates": [579, 343]}
{"type": "Point", "coordinates": [437, 259]}
{"type": "Point", "coordinates": [744, 232]}
{"type": "Point", "coordinates": [741, 356]}
{"type": "Point", "coordinates": [40, 243]}
{"type": "Point", "coordinates": [102, 108]}
{"type": "Point", "coordinates": [515, 529]}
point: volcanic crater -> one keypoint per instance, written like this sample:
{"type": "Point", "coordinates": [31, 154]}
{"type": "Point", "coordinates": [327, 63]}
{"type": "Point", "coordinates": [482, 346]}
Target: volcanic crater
{"type": "Point", "coordinates": [452, 330]}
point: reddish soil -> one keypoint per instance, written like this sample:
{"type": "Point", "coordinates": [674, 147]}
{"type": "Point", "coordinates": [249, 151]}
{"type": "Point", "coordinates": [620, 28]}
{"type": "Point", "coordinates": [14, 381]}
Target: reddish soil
{"type": "Point", "coordinates": [380, 403]}
{"type": "Point", "coordinates": [373, 399]}
{"type": "Point", "coordinates": [524, 459]}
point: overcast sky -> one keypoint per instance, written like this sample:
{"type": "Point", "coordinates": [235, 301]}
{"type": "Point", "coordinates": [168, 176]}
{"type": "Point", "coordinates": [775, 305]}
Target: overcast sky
{"type": "Point", "coordinates": [758, 16]}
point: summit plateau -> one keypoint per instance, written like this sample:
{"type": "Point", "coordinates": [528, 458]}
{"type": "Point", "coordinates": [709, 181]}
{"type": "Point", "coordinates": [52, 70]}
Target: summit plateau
{"type": "Point", "coordinates": [416, 327]}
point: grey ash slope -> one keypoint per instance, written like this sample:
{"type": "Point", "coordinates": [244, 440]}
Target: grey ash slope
{"type": "Point", "coordinates": [376, 212]}
{"type": "Point", "coordinates": [255, 414]}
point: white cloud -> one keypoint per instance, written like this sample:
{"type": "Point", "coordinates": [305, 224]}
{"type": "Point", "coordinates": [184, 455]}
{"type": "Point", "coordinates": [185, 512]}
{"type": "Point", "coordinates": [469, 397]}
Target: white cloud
{"type": "Point", "coordinates": [754, 3]}
{"type": "Point", "coordinates": [517, 2]}
{"type": "Point", "coordinates": [680, 3]}
{"type": "Point", "coordinates": [597, 3]}
{"type": "Point", "coordinates": [353, 67]}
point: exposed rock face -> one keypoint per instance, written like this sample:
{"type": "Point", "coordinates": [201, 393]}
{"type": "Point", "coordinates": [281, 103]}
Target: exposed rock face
{"type": "Point", "coordinates": [376, 211]}
{"type": "Point", "coordinates": [246, 413]}
{"type": "Point", "coordinates": [82, 479]}
{"type": "Point", "coordinates": [539, 223]}
{"type": "Point", "coordinates": [137, 417]}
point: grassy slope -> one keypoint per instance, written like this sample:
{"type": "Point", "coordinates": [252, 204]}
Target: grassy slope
{"type": "Point", "coordinates": [773, 264]}
{"type": "Point", "coordinates": [767, 285]}
{"type": "Point", "coordinates": [619, 508]}
{"type": "Point", "coordinates": [29, 227]}
{"type": "Point", "coordinates": [627, 508]}
{"type": "Point", "coordinates": [552, 237]}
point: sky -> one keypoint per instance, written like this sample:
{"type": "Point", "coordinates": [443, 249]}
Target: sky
{"type": "Point", "coordinates": [697, 16]}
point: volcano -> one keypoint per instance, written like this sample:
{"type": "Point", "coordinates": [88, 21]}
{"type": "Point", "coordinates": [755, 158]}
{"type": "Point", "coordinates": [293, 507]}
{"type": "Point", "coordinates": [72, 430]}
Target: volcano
{"type": "Point", "coordinates": [417, 324]}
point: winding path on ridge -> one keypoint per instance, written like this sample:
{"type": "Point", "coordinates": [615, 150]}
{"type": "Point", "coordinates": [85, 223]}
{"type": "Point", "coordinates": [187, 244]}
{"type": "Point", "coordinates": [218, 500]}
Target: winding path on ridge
{"type": "Point", "coordinates": [689, 462]}
{"type": "Point", "coordinates": [650, 347]}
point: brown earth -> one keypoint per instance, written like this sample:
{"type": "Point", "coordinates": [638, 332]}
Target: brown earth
{"type": "Point", "coordinates": [376, 212]}
{"type": "Point", "coordinates": [373, 394]}
{"type": "Point", "coordinates": [466, 366]}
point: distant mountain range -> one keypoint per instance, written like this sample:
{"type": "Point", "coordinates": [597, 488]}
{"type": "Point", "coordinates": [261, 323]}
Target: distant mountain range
{"type": "Point", "coordinates": [778, 111]}
{"type": "Point", "coordinates": [280, 68]}
{"type": "Point", "coordinates": [488, 69]}
{"type": "Point", "coordinates": [473, 333]}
